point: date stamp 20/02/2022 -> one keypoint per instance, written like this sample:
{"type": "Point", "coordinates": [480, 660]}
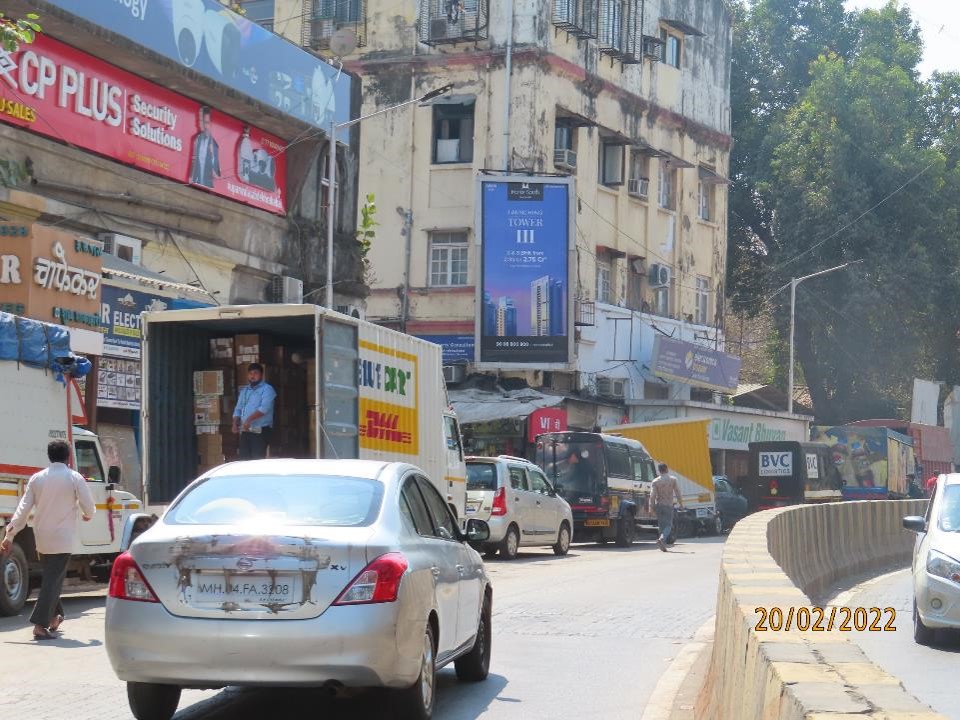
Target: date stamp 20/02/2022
{"type": "Point", "coordinates": [817, 619]}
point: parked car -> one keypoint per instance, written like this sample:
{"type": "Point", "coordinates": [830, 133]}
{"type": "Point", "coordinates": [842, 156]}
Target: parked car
{"type": "Point", "coordinates": [936, 562]}
{"type": "Point", "coordinates": [519, 504]}
{"type": "Point", "coordinates": [301, 573]}
{"type": "Point", "coordinates": [731, 505]}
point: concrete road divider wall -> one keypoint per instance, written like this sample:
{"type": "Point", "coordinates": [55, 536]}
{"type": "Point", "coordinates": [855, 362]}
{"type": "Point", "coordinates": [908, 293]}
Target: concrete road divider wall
{"type": "Point", "coordinates": [776, 559]}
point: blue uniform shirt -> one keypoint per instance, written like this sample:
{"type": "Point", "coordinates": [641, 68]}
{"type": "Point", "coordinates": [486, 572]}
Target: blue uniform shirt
{"type": "Point", "coordinates": [256, 398]}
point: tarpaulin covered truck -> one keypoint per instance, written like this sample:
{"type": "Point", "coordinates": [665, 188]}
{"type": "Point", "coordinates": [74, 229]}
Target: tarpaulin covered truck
{"type": "Point", "coordinates": [40, 405]}
{"type": "Point", "coordinates": [873, 462]}
{"type": "Point", "coordinates": [684, 446]}
{"type": "Point", "coordinates": [346, 389]}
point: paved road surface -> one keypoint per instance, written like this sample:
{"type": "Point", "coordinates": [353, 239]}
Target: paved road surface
{"type": "Point", "coordinates": [928, 673]}
{"type": "Point", "coordinates": [586, 636]}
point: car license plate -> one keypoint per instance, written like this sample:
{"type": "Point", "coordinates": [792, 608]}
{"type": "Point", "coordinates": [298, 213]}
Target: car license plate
{"type": "Point", "coordinates": [596, 523]}
{"type": "Point", "coordinates": [214, 588]}
{"type": "Point", "coordinates": [702, 512]}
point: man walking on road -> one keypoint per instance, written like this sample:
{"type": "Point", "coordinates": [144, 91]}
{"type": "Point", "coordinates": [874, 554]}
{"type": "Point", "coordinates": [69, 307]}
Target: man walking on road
{"type": "Point", "coordinates": [662, 493]}
{"type": "Point", "coordinates": [253, 417]}
{"type": "Point", "coordinates": [53, 495]}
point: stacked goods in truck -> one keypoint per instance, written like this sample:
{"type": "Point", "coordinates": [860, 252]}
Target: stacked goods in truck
{"type": "Point", "coordinates": [251, 348]}
{"type": "Point", "coordinates": [214, 396]}
{"type": "Point", "coordinates": [222, 351]}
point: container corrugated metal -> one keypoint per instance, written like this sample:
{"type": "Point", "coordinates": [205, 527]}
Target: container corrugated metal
{"type": "Point", "coordinates": [684, 445]}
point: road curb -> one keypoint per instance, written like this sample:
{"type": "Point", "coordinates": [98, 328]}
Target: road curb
{"type": "Point", "coordinates": [683, 678]}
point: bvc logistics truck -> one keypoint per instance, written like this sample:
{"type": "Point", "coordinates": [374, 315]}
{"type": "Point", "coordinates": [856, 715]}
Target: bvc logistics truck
{"type": "Point", "coordinates": [346, 389]}
{"type": "Point", "coordinates": [41, 403]}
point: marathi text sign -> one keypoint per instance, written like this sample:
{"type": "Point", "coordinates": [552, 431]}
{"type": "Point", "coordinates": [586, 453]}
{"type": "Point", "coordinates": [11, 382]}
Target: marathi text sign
{"type": "Point", "coordinates": [524, 299]}
{"type": "Point", "coordinates": [54, 90]}
{"type": "Point", "coordinates": [215, 42]}
{"type": "Point", "coordinates": [695, 365]}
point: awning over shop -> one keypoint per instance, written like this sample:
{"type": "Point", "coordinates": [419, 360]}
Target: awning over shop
{"type": "Point", "coordinates": [479, 406]}
{"type": "Point", "coordinates": [126, 270]}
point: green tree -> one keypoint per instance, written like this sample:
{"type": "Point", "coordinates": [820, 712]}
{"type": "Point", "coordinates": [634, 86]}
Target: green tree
{"type": "Point", "coordinates": [14, 32]}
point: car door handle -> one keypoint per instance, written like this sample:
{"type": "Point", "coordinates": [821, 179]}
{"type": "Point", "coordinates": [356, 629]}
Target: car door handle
{"type": "Point", "coordinates": [435, 571]}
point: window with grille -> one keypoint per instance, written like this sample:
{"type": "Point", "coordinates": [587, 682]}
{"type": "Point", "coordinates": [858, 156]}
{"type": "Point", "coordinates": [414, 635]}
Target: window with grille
{"type": "Point", "coordinates": [449, 253]}
{"type": "Point", "coordinates": [665, 187]}
{"type": "Point", "coordinates": [604, 280]}
{"type": "Point", "coordinates": [703, 301]}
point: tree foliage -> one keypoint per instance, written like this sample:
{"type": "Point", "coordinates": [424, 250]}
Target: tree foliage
{"type": "Point", "coordinates": [14, 32]}
{"type": "Point", "coordinates": [844, 153]}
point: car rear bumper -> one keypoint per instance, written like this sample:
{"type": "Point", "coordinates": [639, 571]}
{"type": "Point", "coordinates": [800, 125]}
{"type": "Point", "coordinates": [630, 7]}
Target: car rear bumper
{"type": "Point", "coordinates": [931, 589]}
{"type": "Point", "coordinates": [357, 646]}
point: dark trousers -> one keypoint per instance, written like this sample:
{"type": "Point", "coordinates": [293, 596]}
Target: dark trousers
{"type": "Point", "coordinates": [54, 569]}
{"type": "Point", "coordinates": [253, 446]}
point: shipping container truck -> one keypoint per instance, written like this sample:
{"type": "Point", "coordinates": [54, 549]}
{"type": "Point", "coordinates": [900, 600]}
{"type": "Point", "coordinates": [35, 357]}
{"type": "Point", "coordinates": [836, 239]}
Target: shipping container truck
{"type": "Point", "coordinates": [873, 462]}
{"type": "Point", "coordinates": [790, 473]}
{"type": "Point", "coordinates": [42, 404]}
{"type": "Point", "coordinates": [685, 447]}
{"type": "Point", "coordinates": [346, 389]}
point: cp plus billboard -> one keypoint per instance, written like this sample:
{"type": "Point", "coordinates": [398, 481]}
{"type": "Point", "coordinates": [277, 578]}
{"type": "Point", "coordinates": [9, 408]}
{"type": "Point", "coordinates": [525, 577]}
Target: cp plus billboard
{"type": "Point", "coordinates": [54, 90]}
{"type": "Point", "coordinates": [524, 303]}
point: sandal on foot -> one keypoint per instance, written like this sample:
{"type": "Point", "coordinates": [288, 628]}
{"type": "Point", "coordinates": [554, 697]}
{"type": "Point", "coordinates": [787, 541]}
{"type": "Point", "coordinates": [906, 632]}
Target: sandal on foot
{"type": "Point", "coordinates": [55, 625]}
{"type": "Point", "coordinates": [45, 635]}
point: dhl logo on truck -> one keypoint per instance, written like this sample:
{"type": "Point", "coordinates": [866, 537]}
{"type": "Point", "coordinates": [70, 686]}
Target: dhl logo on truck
{"type": "Point", "coordinates": [389, 383]}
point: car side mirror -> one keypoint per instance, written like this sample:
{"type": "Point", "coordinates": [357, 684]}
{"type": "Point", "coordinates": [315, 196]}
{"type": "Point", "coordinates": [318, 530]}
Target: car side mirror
{"type": "Point", "coordinates": [113, 474]}
{"type": "Point", "coordinates": [558, 489]}
{"type": "Point", "coordinates": [915, 523]}
{"type": "Point", "coordinates": [477, 530]}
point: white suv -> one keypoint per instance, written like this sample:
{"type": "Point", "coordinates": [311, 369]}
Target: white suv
{"type": "Point", "coordinates": [519, 504]}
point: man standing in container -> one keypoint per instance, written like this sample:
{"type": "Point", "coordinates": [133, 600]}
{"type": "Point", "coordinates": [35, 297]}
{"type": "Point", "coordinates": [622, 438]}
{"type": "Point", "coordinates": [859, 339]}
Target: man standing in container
{"type": "Point", "coordinates": [53, 495]}
{"type": "Point", "coordinates": [663, 490]}
{"type": "Point", "coordinates": [253, 416]}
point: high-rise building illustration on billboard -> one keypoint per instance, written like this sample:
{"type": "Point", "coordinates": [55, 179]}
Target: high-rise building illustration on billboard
{"type": "Point", "coordinates": [506, 318]}
{"type": "Point", "coordinates": [547, 307]}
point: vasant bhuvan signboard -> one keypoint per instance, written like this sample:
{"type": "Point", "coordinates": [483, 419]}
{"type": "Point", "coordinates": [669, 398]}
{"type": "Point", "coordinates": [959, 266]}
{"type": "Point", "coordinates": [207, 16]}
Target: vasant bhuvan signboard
{"type": "Point", "coordinates": [695, 365]}
{"type": "Point", "coordinates": [55, 90]}
{"type": "Point", "coordinates": [50, 275]}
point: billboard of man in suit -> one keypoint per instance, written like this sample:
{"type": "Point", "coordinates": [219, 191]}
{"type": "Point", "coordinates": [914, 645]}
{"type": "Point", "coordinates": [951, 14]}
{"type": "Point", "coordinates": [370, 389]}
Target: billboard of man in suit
{"type": "Point", "coordinates": [205, 162]}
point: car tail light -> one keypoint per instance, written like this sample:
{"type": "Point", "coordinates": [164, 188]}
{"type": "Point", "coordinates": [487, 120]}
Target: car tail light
{"type": "Point", "coordinates": [605, 502]}
{"type": "Point", "coordinates": [500, 502]}
{"type": "Point", "coordinates": [774, 487]}
{"type": "Point", "coordinates": [128, 583]}
{"type": "Point", "coordinates": [379, 582]}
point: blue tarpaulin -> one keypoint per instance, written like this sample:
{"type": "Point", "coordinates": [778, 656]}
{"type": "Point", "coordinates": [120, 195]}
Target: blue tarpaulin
{"type": "Point", "coordinates": [32, 342]}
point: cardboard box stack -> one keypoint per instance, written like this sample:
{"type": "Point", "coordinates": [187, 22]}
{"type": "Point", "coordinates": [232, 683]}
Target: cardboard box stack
{"type": "Point", "coordinates": [250, 349]}
{"type": "Point", "coordinates": [214, 396]}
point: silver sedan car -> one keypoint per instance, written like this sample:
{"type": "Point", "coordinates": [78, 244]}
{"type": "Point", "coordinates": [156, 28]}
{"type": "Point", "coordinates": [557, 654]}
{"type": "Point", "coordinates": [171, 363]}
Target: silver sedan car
{"type": "Point", "coordinates": [335, 573]}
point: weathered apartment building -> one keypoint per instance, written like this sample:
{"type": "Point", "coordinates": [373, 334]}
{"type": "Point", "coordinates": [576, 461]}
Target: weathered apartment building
{"type": "Point", "coordinates": [629, 97]}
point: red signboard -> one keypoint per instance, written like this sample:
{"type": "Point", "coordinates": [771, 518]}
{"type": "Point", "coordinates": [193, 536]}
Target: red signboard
{"type": "Point", "coordinates": [546, 420]}
{"type": "Point", "coordinates": [55, 90]}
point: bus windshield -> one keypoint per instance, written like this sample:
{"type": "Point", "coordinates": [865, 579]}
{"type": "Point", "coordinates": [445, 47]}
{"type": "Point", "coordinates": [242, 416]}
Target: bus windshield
{"type": "Point", "coordinates": [576, 465]}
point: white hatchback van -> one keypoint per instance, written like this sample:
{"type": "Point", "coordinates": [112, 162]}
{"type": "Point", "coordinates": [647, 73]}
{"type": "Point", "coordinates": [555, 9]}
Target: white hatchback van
{"type": "Point", "coordinates": [519, 504]}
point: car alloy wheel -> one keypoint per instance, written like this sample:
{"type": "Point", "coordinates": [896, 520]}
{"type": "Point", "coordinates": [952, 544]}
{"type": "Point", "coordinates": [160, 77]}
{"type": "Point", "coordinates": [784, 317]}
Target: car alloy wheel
{"type": "Point", "coordinates": [563, 540]}
{"type": "Point", "coordinates": [475, 665]}
{"type": "Point", "coordinates": [427, 673]}
{"type": "Point", "coordinates": [416, 701]}
{"type": "Point", "coordinates": [511, 543]}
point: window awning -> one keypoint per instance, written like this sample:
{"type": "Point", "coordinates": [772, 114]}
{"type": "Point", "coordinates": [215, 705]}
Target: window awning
{"type": "Point", "coordinates": [568, 118]}
{"type": "Point", "coordinates": [681, 26]}
{"type": "Point", "coordinates": [478, 406]}
{"type": "Point", "coordinates": [710, 177]}
{"type": "Point", "coordinates": [454, 100]}
{"type": "Point", "coordinates": [675, 160]}
{"type": "Point", "coordinates": [610, 252]}
{"type": "Point", "coordinates": [120, 268]}
{"type": "Point", "coordinates": [612, 137]}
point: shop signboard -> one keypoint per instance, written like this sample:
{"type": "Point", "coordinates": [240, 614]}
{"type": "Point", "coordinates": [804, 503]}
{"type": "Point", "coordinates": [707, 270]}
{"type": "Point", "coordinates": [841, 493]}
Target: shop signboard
{"type": "Point", "coordinates": [52, 89]}
{"type": "Point", "coordinates": [217, 43]}
{"type": "Point", "coordinates": [695, 365]}
{"type": "Point", "coordinates": [51, 275]}
{"type": "Point", "coordinates": [118, 383]}
{"type": "Point", "coordinates": [526, 250]}
{"type": "Point", "coordinates": [120, 319]}
{"type": "Point", "coordinates": [457, 349]}
{"type": "Point", "coordinates": [546, 420]}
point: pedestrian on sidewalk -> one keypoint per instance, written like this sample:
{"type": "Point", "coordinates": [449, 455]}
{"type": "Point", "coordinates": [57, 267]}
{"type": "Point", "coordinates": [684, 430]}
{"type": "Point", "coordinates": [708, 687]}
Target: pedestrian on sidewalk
{"type": "Point", "coordinates": [663, 490]}
{"type": "Point", "coordinates": [53, 495]}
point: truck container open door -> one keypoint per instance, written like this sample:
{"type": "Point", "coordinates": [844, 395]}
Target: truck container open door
{"type": "Point", "coordinates": [336, 428]}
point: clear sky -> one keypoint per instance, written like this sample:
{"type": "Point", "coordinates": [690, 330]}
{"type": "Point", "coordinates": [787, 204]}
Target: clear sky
{"type": "Point", "coordinates": [940, 23]}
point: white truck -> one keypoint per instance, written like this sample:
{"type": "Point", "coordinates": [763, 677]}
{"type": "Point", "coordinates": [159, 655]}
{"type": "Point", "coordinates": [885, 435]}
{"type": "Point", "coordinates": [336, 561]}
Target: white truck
{"type": "Point", "coordinates": [37, 408]}
{"type": "Point", "coordinates": [378, 394]}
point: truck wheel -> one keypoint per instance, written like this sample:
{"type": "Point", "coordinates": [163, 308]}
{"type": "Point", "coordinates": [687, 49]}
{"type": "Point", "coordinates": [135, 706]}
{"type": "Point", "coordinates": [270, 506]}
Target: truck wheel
{"type": "Point", "coordinates": [14, 581]}
{"type": "Point", "coordinates": [626, 527]}
{"type": "Point", "coordinates": [150, 701]}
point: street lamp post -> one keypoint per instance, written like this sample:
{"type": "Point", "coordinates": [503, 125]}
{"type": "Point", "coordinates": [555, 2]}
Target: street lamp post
{"type": "Point", "coordinates": [793, 303]}
{"type": "Point", "coordinates": [332, 174]}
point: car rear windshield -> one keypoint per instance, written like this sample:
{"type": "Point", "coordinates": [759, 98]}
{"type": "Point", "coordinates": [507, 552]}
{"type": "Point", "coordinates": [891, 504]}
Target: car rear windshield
{"type": "Point", "coordinates": [326, 500]}
{"type": "Point", "coordinates": [950, 509]}
{"type": "Point", "coordinates": [576, 465]}
{"type": "Point", "coordinates": [481, 476]}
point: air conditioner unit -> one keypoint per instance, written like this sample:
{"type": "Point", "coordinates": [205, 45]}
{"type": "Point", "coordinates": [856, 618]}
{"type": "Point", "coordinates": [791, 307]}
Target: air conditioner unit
{"type": "Point", "coordinates": [439, 28]}
{"type": "Point", "coordinates": [611, 388]}
{"type": "Point", "coordinates": [564, 159]}
{"type": "Point", "coordinates": [123, 247]}
{"type": "Point", "coordinates": [284, 289]}
{"type": "Point", "coordinates": [638, 187]}
{"type": "Point", "coordinates": [353, 311]}
{"type": "Point", "coordinates": [659, 275]}
{"type": "Point", "coordinates": [454, 373]}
